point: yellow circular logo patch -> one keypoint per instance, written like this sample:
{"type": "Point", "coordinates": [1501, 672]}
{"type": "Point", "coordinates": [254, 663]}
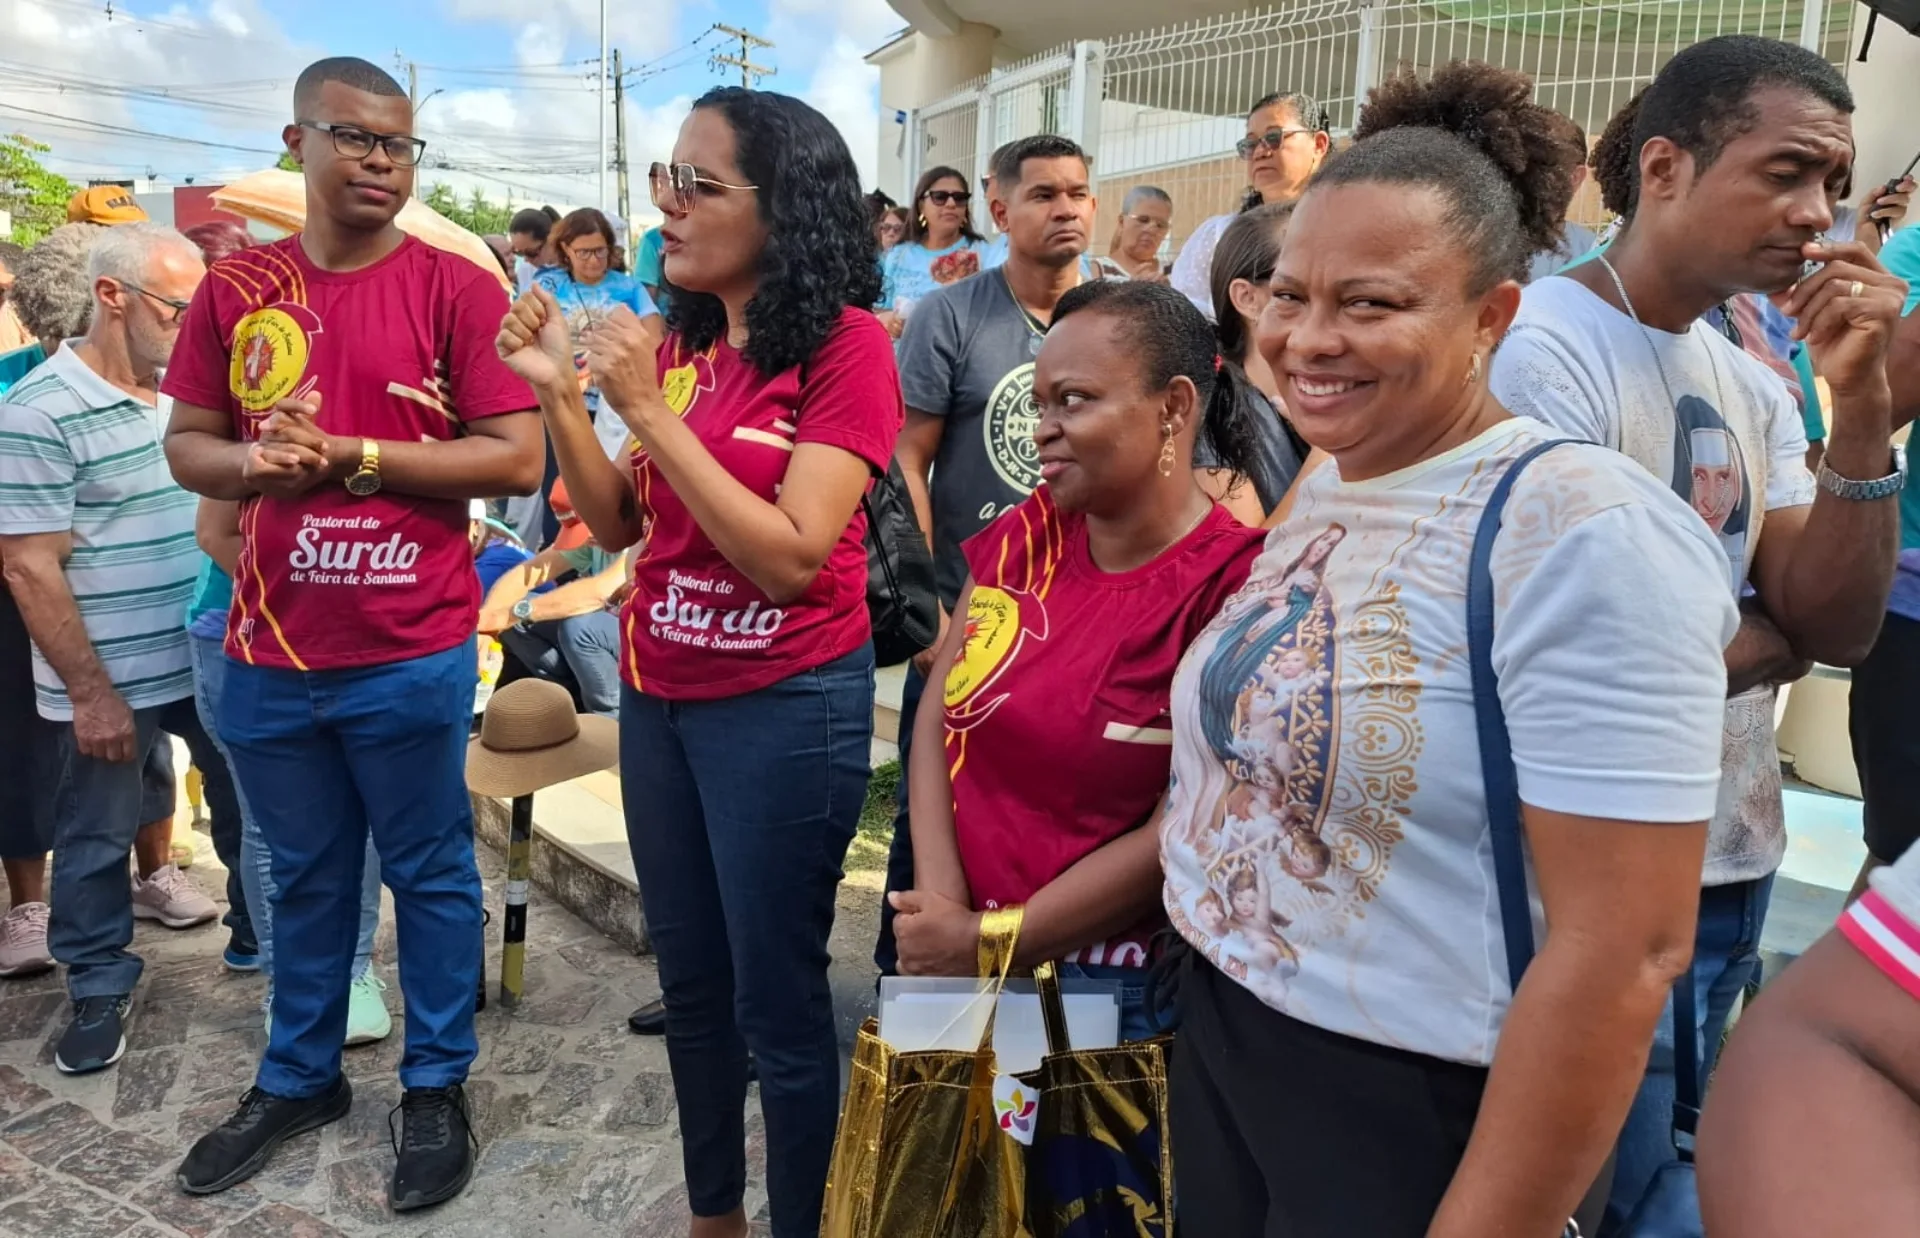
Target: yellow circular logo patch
{"type": "Point", "coordinates": [993, 625]}
{"type": "Point", "coordinates": [270, 352]}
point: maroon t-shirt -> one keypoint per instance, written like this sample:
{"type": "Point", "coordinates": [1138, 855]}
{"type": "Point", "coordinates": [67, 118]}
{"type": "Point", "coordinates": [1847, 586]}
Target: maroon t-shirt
{"type": "Point", "coordinates": [1058, 733]}
{"type": "Point", "coordinates": [695, 627]}
{"type": "Point", "coordinates": [399, 351]}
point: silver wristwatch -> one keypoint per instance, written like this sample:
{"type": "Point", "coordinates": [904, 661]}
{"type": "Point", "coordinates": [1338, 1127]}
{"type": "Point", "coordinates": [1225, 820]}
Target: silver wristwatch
{"type": "Point", "coordinates": [522, 612]}
{"type": "Point", "coordinates": [1866, 491]}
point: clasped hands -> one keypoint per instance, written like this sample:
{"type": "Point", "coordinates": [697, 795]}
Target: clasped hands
{"type": "Point", "coordinates": [293, 454]}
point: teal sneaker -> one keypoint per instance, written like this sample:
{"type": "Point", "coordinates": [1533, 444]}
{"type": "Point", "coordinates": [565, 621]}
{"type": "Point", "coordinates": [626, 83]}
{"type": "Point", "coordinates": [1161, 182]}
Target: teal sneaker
{"type": "Point", "coordinates": [367, 1017]}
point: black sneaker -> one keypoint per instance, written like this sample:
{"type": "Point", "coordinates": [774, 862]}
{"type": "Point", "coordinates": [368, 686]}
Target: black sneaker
{"type": "Point", "coordinates": [97, 1037]}
{"type": "Point", "coordinates": [433, 1155]}
{"type": "Point", "coordinates": [238, 1148]}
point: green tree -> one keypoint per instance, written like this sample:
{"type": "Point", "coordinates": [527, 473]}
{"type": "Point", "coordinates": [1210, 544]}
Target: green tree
{"type": "Point", "coordinates": [35, 197]}
{"type": "Point", "coordinates": [479, 214]}
{"type": "Point", "coordinates": [286, 162]}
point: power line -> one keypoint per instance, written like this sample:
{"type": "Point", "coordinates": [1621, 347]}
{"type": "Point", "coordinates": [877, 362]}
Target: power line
{"type": "Point", "coordinates": [95, 126]}
{"type": "Point", "coordinates": [142, 25]}
{"type": "Point", "coordinates": [749, 71]}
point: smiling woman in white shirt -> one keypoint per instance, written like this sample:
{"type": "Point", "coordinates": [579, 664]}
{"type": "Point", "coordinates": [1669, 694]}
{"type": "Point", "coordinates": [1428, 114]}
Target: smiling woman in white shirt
{"type": "Point", "coordinates": [1354, 1058]}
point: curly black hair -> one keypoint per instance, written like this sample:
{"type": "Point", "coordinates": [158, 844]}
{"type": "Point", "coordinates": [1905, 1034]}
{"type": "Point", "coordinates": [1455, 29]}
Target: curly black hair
{"type": "Point", "coordinates": [1472, 132]}
{"type": "Point", "coordinates": [1702, 99]}
{"type": "Point", "coordinates": [1616, 159]}
{"type": "Point", "coordinates": [1172, 338]}
{"type": "Point", "coordinates": [820, 256]}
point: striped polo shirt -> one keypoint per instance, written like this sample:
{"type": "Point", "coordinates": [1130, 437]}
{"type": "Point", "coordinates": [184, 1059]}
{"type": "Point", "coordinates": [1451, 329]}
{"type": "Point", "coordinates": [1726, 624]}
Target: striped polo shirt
{"type": "Point", "coordinates": [78, 453]}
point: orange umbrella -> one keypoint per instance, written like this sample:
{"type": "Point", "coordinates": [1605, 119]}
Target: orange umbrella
{"type": "Point", "coordinates": [279, 199]}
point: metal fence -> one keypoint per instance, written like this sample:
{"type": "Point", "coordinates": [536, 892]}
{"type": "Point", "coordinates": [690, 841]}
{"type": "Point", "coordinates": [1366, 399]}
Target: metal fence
{"type": "Point", "coordinates": [1165, 106]}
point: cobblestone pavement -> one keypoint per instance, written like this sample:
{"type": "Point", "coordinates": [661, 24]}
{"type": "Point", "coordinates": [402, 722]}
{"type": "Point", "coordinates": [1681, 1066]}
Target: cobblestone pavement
{"type": "Point", "coordinates": [575, 1114]}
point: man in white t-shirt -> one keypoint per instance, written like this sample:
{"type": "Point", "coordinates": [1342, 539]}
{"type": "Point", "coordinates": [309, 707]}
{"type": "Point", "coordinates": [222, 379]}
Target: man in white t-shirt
{"type": "Point", "coordinates": [1743, 146]}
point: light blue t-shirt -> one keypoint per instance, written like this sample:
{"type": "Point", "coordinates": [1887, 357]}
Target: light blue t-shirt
{"type": "Point", "coordinates": [1901, 256]}
{"type": "Point", "coordinates": [586, 304]}
{"type": "Point", "coordinates": [649, 266]}
{"type": "Point", "coordinates": [910, 271]}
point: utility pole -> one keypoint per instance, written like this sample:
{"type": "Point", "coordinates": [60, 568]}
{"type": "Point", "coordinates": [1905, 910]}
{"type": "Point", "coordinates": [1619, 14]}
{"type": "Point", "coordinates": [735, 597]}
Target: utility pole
{"type": "Point", "coordinates": [605, 201]}
{"type": "Point", "coordinates": [749, 71]}
{"type": "Point", "coordinates": [620, 141]}
{"type": "Point", "coordinates": [400, 61]}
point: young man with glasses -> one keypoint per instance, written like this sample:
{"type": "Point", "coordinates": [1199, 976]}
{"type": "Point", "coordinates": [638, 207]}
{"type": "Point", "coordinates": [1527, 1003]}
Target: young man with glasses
{"type": "Point", "coordinates": [99, 550]}
{"type": "Point", "coordinates": [343, 387]}
{"type": "Point", "coordinates": [966, 367]}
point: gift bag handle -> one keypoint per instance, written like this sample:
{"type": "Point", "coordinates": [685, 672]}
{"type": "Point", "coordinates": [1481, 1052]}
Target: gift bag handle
{"type": "Point", "coordinates": [1053, 1008]}
{"type": "Point", "coordinates": [999, 935]}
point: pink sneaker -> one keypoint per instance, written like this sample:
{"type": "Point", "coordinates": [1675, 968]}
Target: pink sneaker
{"type": "Point", "coordinates": [170, 898]}
{"type": "Point", "coordinates": [23, 941]}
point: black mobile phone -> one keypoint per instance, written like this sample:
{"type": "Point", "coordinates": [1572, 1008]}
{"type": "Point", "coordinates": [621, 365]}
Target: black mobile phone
{"type": "Point", "coordinates": [1886, 228]}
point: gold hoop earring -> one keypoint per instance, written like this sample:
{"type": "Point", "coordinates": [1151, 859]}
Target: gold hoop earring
{"type": "Point", "coordinates": [923, 223]}
{"type": "Point", "coordinates": [1166, 449]}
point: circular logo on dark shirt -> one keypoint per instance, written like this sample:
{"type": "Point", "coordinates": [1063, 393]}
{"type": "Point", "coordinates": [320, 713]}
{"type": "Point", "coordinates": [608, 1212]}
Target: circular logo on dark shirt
{"type": "Point", "coordinates": [1009, 425]}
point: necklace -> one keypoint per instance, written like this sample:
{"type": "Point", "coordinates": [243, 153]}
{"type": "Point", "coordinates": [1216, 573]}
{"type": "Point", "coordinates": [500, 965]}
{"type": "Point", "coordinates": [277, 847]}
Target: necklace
{"type": "Point", "coordinates": [1204, 513]}
{"type": "Point", "coordinates": [1660, 366]}
{"type": "Point", "coordinates": [1037, 329]}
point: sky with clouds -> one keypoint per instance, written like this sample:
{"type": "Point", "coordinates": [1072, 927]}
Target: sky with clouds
{"type": "Point", "coordinates": [201, 88]}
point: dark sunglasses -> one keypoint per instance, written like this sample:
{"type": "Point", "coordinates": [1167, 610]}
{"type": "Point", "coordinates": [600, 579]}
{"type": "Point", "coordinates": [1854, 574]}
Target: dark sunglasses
{"type": "Point", "coordinates": [1272, 139]}
{"type": "Point", "coordinates": [356, 143]}
{"type": "Point", "coordinates": [677, 187]}
{"type": "Point", "coordinates": [946, 197]}
{"type": "Point", "coordinates": [178, 307]}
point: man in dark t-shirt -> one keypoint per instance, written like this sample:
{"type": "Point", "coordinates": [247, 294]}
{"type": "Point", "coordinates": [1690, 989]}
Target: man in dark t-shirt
{"type": "Point", "coordinates": [343, 386]}
{"type": "Point", "coordinates": [966, 368]}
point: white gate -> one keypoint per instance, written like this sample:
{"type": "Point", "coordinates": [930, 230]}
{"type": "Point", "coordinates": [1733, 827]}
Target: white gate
{"type": "Point", "coordinates": [1164, 107]}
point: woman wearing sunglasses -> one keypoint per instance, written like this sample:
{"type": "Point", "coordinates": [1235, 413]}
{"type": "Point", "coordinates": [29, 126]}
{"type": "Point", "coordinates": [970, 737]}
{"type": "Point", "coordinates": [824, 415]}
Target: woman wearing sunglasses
{"type": "Point", "coordinates": [941, 246]}
{"type": "Point", "coordinates": [587, 289]}
{"type": "Point", "coordinates": [1287, 140]}
{"type": "Point", "coordinates": [745, 645]}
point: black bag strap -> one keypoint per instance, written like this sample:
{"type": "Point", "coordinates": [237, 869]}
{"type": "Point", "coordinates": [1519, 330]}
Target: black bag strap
{"type": "Point", "coordinates": [1503, 804]}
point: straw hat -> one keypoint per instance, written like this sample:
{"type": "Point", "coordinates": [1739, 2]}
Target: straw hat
{"type": "Point", "coordinates": [530, 738]}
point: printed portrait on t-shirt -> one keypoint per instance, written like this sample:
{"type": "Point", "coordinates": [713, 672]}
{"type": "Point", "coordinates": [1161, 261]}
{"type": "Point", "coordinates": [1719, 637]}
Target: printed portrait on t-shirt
{"type": "Point", "coordinates": [1711, 474]}
{"type": "Point", "coordinates": [1270, 717]}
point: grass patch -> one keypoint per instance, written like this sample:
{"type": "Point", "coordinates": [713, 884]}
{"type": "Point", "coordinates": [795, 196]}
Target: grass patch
{"type": "Point", "coordinates": [874, 834]}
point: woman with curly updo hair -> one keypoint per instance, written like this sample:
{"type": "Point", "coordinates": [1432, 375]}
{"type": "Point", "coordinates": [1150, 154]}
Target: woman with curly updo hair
{"type": "Point", "coordinates": [1359, 1052]}
{"type": "Point", "coordinates": [746, 650]}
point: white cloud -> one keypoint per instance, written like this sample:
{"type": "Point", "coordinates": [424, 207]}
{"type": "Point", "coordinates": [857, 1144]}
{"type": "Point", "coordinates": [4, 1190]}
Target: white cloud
{"type": "Point", "coordinates": [842, 85]}
{"type": "Point", "coordinates": [640, 29]}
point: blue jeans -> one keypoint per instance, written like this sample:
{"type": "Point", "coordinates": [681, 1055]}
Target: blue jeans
{"type": "Point", "coordinates": [329, 758]}
{"type": "Point", "coordinates": [1726, 955]}
{"type": "Point", "coordinates": [97, 811]}
{"type": "Point", "coordinates": [255, 868]}
{"type": "Point", "coordinates": [587, 645]}
{"type": "Point", "coordinates": [224, 818]}
{"type": "Point", "coordinates": [886, 951]}
{"type": "Point", "coordinates": [739, 812]}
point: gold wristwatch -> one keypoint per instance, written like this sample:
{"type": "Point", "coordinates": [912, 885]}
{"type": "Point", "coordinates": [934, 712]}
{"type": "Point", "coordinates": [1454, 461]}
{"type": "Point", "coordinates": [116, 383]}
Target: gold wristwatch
{"type": "Point", "coordinates": [366, 480]}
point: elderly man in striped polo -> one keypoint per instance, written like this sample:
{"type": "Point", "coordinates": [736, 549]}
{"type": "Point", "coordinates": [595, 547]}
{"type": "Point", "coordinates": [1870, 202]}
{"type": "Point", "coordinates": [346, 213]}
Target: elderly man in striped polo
{"type": "Point", "coordinates": [99, 553]}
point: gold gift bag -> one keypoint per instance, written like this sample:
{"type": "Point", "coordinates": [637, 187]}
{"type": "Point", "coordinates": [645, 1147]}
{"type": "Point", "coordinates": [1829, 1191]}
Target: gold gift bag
{"type": "Point", "coordinates": [922, 1152]}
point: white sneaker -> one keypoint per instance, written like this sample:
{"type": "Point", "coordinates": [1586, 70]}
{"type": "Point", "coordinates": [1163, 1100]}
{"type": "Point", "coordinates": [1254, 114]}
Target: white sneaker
{"type": "Point", "coordinates": [367, 1017]}
{"type": "Point", "coordinates": [23, 940]}
{"type": "Point", "coordinates": [170, 898]}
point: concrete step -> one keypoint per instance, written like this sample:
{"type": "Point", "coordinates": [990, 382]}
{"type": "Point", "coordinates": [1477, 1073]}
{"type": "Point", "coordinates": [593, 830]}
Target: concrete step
{"type": "Point", "coordinates": [888, 684]}
{"type": "Point", "coordinates": [580, 854]}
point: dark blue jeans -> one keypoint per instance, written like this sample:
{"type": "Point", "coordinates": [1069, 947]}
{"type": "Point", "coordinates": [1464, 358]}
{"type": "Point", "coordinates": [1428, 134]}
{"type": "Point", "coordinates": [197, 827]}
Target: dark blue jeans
{"type": "Point", "coordinates": [1726, 955]}
{"type": "Point", "coordinates": [327, 757]}
{"type": "Point", "coordinates": [97, 811]}
{"type": "Point", "coordinates": [739, 812]}
{"type": "Point", "coordinates": [586, 645]}
{"type": "Point", "coordinates": [886, 952]}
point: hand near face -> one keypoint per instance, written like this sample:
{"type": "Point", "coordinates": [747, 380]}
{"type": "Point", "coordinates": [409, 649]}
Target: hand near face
{"type": "Point", "coordinates": [1846, 312]}
{"type": "Point", "coordinates": [622, 357]}
{"type": "Point", "coordinates": [936, 936]}
{"type": "Point", "coordinates": [534, 340]}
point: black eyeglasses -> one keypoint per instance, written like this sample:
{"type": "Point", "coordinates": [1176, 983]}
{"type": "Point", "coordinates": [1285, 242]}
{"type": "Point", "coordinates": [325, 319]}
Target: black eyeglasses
{"type": "Point", "coordinates": [1272, 139]}
{"type": "Point", "coordinates": [677, 187]}
{"type": "Point", "coordinates": [945, 197]}
{"type": "Point", "coordinates": [358, 143]}
{"type": "Point", "coordinates": [178, 307]}
{"type": "Point", "coordinates": [589, 253]}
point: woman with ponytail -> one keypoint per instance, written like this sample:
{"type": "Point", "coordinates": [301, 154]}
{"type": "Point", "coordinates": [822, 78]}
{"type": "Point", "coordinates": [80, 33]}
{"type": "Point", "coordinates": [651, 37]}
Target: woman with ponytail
{"type": "Point", "coordinates": [1039, 783]}
{"type": "Point", "coordinates": [1242, 266]}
